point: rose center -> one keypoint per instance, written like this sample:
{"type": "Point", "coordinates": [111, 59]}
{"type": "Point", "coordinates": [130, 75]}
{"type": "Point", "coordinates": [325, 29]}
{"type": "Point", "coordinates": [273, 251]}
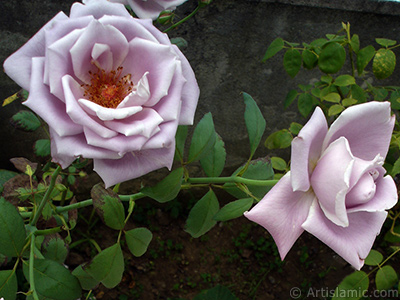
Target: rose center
{"type": "Point", "coordinates": [108, 89]}
{"type": "Point", "coordinates": [363, 191]}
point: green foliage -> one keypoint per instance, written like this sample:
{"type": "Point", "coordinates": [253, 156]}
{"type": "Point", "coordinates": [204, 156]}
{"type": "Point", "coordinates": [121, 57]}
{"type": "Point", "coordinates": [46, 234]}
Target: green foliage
{"type": "Point", "coordinates": [352, 287]}
{"type": "Point", "coordinates": [233, 209]}
{"type": "Point", "coordinates": [25, 120]}
{"type": "Point", "coordinates": [216, 293]}
{"type": "Point", "coordinates": [138, 239]}
{"type": "Point", "coordinates": [374, 258]}
{"type": "Point", "coordinates": [386, 278]}
{"type": "Point", "coordinates": [167, 189]}
{"type": "Point", "coordinates": [214, 162]}
{"type": "Point", "coordinates": [42, 147]}
{"type": "Point", "coordinates": [54, 248]}
{"type": "Point", "coordinates": [200, 219]}
{"type": "Point", "coordinates": [384, 63]}
{"type": "Point", "coordinates": [8, 284]}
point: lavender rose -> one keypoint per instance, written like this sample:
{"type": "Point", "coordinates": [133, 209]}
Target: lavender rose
{"type": "Point", "coordinates": [150, 9]}
{"type": "Point", "coordinates": [336, 189]}
{"type": "Point", "coordinates": [111, 88]}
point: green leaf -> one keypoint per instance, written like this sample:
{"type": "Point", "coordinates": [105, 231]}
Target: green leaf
{"type": "Point", "coordinates": [12, 230]}
{"type": "Point", "coordinates": [180, 42]}
{"type": "Point", "coordinates": [332, 97]}
{"type": "Point", "coordinates": [292, 62]}
{"type": "Point", "coordinates": [331, 58]}
{"type": "Point", "coordinates": [8, 284]}
{"type": "Point", "coordinates": [273, 48]}
{"type": "Point", "coordinates": [394, 97]}
{"type": "Point", "coordinates": [380, 93]}
{"type": "Point", "coordinates": [305, 104]}
{"type": "Point", "coordinates": [349, 102]}
{"type": "Point", "coordinates": [353, 287]}
{"type": "Point", "coordinates": [25, 120]}
{"type": "Point", "coordinates": [42, 147]}
{"type": "Point", "coordinates": [278, 163]}
{"type": "Point", "coordinates": [213, 164]}
{"type": "Point", "coordinates": [345, 80]}
{"type": "Point", "coordinates": [260, 169]}
{"type": "Point", "coordinates": [255, 122]}
{"type": "Point", "coordinates": [364, 56]}
{"type": "Point", "coordinates": [386, 278]}
{"type": "Point", "coordinates": [385, 42]}
{"type": "Point", "coordinates": [54, 248]}
{"type": "Point", "coordinates": [87, 282]}
{"type": "Point", "coordinates": [180, 138]}
{"type": "Point", "coordinates": [233, 209]}
{"type": "Point", "coordinates": [203, 139]}
{"type": "Point", "coordinates": [51, 278]}
{"type": "Point", "coordinates": [310, 60]}
{"type": "Point", "coordinates": [355, 43]}
{"type": "Point", "coordinates": [107, 266]}
{"type": "Point", "coordinates": [138, 239]}
{"type": "Point", "coordinates": [279, 140]}
{"type": "Point", "coordinates": [5, 175]}
{"type": "Point", "coordinates": [167, 189]}
{"type": "Point", "coordinates": [358, 93]}
{"type": "Point", "coordinates": [384, 63]}
{"type": "Point", "coordinates": [295, 128]}
{"type": "Point", "coordinates": [217, 293]}
{"type": "Point", "coordinates": [108, 206]}
{"type": "Point", "coordinates": [391, 238]}
{"type": "Point", "coordinates": [374, 258]}
{"type": "Point", "coordinates": [200, 219]}
{"type": "Point", "coordinates": [290, 97]}
{"type": "Point", "coordinates": [335, 110]}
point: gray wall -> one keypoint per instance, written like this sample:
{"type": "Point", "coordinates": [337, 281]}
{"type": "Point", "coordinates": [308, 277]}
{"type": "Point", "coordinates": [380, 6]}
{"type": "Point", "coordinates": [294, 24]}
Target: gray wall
{"type": "Point", "coordinates": [227, 41]}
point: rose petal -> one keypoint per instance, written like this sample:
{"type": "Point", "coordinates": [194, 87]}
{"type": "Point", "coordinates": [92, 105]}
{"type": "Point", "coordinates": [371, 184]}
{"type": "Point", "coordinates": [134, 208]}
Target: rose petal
{"type": "Point", "coordinates": [140, 95]}
{"type": "Point", "coordinates": [362, 192]}
{"type": "Point", "coordinates": [81, 52]}
{"type": "Point", "coordinates": [19, 65]}
{"type": "Point", "coordinates": [108, 114]}
{"type": "Point", "coordinates": [50, 108]}
{"type": "Point", "coordinates": [159, 60]}
{"type": "Point", "coordinates": [282, 212]}
{"type": "Point", "coordinates": [133, 165]}
{"type": "Point", "coordinates": [385, 197]}
{"type": "Point", "coordinates": [306, 150]}
{"type": "Point", "coordinates": [353, 243]}
{"type": "Point", "coordinates": [73, 92]}
{"type": "Point", "coordinates": [331, 180]}
{"type": "Point", "coordinates": [143, 123]}
{"type": "Point", "coordinates": [368, 128]}
{"type": "Point", "coordinates": [98, 8]}
{"type": "Point", "coordinates": [164, 138]}
{"type": "Point", "coordinates": [152, 8]}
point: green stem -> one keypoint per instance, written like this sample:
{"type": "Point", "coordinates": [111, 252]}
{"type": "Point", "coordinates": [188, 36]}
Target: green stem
{"type": "Point", "coordinates": [48, 231]}
{"type": "Point", "coordinates": [232, 179]}
{"type": "Point", "coordinates": [46, 196]}
{"type": "Point", "coordinates": [31, 262]}
{"type": "Point", "coordinates": [183, 20]}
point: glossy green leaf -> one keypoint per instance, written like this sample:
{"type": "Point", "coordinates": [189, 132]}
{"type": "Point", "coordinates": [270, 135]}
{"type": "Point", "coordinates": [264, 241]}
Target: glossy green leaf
{"type": "Point", "coordinates": [335, 110]}
{"type": "Point", "coordinates": [42, 147]}
{"type": "Point", "coordinates": [108, 206]}
{"type": "Point", "coordinates": [180, 138]}
{"type": "Point", "coordinates": [8, 284]}
{"type": "Point", "coordinates": [54, 248]}
{"type": "Point", "coordinates": [345, 80]}
{"type": "Point", "coordinates": [138, 239]}
{"type": "Point", "coordinates": [310, 60]}
{"type": "Point", "coordinates": [332, 97]}
{"type": "Point", "coordinates": [305, 104]}
{"type": "Point", "coordinates": [107, 266]}
{"type": "Point", "coordinates": [374, 258]}
{"type": "Point", "coordinates": [386, 278]}
{"type": "Point", "coordinates": [25, 120]}
{"type": "Point", "coordinates": [292, 62]}
{"type": "Point", "coordinates": [260, 169]}
{"type": "Point", "coordinates": [352, 287]}
{"type": "Point", "coordinates": [51, 278]}
{"type": "Point", "coordinates": [278, 163]}
{"type": "Point", "coordinates": [233, 209]}
{"type": "Point", "coordinates": [255, 122]}
{"type": "Point", "coordinates": [200, 219]}
{"type": "Point", "coordinates": [87, 282]}
{"type": "Point", "coordinates": [167, 189]}
{"type": "Point", "coordinates": [331, 58]}
{"type": "Point", "coordinates": [290, 97]}
{"type": "Point", "coordinates": [273, 48]}
{"type": "Point", "coordinates": [214, 162]}
{"type": "Point", "coordinates": [12, 230]}
{"type": "Point", "coordinates": [279, 140]}
{"type": "Point", "coordinates": [203, 139]}
{"type": "Point", "coordinates": [384, 63]}
{"type": "Point", "coordinates": [216, 293]}
{"type": "Point", "coordinates": [364, 56]}
{"type": "Point", "coordinates": [385, 42]}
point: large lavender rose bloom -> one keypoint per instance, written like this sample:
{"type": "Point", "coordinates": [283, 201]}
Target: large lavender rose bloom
{"type": "Point", "coordinates": [336, 189]}
{"type": "Point", "coordinates": [111, 88]}
{"type": "Point", "coordinates": [150, 9]}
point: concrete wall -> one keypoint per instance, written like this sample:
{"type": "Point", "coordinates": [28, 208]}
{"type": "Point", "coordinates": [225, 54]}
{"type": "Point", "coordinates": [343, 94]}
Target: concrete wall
{"type": "Point", "coordinates": [227, 41]}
